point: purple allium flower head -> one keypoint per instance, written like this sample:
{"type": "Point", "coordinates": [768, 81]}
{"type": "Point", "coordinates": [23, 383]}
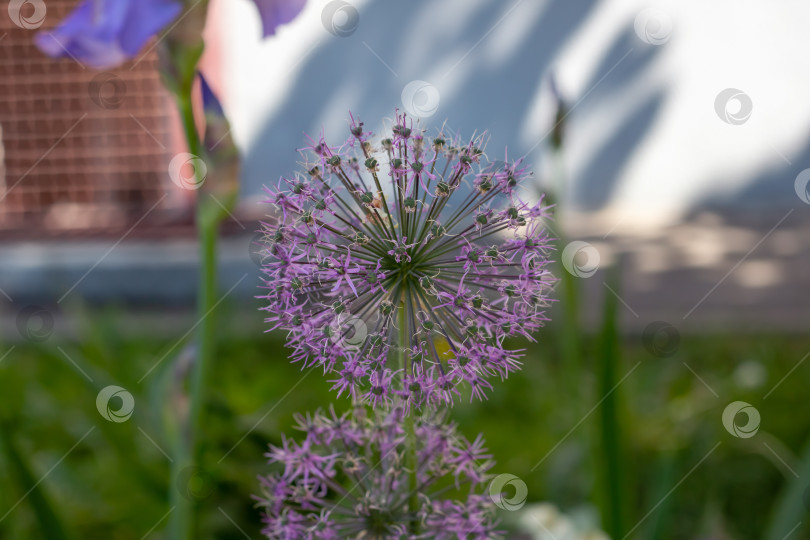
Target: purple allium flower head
{"type": "Point", "coordinates": [350, 478]}
{"type": "Point", "coordinates": [105, 33]}
{"type": "Point", "coordinates": [400, 266]}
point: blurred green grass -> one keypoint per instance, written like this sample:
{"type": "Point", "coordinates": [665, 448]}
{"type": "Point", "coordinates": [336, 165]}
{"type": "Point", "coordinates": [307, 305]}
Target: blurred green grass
{"type": "Point", "coordinates": [113, 484]}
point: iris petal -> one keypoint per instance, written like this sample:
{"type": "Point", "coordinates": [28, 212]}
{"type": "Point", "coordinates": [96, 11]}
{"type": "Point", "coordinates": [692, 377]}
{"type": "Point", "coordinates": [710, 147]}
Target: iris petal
{"type": "Point", "coordinates": [105, 33]}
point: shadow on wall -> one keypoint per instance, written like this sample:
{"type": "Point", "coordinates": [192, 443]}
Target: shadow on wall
{"type": "Point", "coordinates": [777, 186]}
{"type": "Point", "coordinates": [624, 62]}
{"type": "Point", "coordinates": [480, 86]}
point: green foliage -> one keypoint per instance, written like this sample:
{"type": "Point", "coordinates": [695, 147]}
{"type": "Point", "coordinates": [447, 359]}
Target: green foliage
{"type": "Point", "coordinates": [114, 483]}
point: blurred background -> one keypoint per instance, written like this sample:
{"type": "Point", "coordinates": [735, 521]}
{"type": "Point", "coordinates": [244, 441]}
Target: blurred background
{"type": "Point", "coordinates": [674, 137]}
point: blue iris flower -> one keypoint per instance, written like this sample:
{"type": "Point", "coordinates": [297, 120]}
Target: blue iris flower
{"type": "Point", "coordinates": [105, 33]}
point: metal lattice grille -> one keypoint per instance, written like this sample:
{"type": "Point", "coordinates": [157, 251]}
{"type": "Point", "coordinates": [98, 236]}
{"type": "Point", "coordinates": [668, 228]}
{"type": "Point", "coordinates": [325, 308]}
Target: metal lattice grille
{"type": "Point", "coordinates": [80, 149]}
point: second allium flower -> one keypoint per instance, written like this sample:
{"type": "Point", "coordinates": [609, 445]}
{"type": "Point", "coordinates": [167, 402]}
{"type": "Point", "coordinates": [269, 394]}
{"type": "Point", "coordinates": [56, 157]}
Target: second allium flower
{"type": "Point", "coordinates": [400, 266]}
{"type": "Point", "coordinates": [357, 475]}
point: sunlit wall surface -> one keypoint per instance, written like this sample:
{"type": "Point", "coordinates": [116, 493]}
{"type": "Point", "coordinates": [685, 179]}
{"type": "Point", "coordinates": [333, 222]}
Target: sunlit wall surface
{"type": "Point", "coordinates": [671, 106]}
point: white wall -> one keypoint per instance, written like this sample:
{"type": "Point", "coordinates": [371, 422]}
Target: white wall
{"type": "Point", "coordinates": [645, 143]}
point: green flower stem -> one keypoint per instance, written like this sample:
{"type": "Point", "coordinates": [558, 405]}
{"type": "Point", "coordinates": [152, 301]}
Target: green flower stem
{"type": "Point", "coordinates": [570, 324]}
{"type": "Point", "coordinates": [613, 467]}
{"type": "Point", "coordinates": [413, 500]}
{"type": "Point", "coordinates": [569, 295]}
{"type": "Point", "coordinates": [187, 452]}
{"type": "Point", "coordinates": [410, 428]}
